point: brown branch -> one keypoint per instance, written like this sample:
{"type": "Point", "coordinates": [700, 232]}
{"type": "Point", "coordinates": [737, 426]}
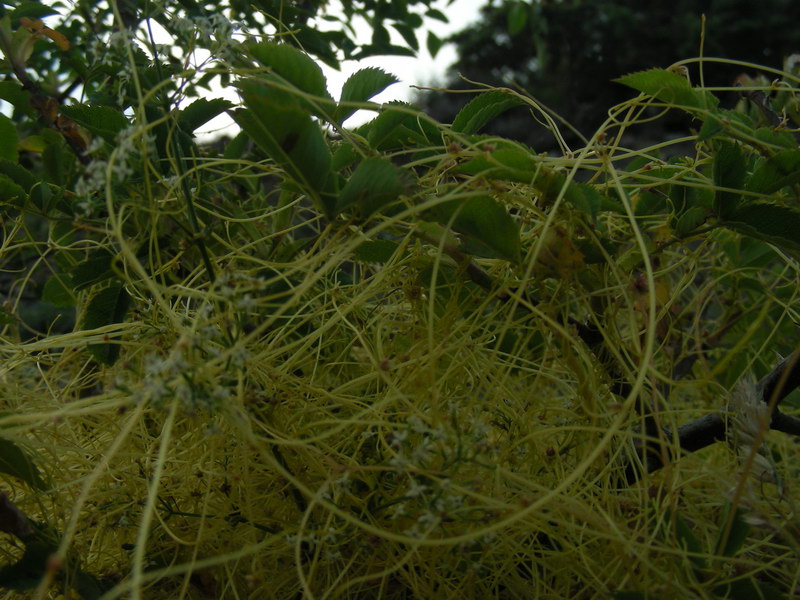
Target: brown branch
{"type": "Point", "coordinates": [709, 429]}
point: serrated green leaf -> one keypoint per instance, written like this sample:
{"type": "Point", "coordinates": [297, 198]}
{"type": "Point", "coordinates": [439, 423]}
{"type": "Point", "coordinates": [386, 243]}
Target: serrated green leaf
{"type": "Point", "coordinates": [94, 269]}
{"type": "Point", "coordinates": [379, 251]}
{"type": "Point", "coordinates": [775, 138]}
{"type": "Point", "coordinates": [669, 87]}
{"type": "Point", "coordinates": [360, 87]}
{"type": "Point", "coordinates": [711, 127]}
{"type": "Point", "coordinates": [375, 183]}
{"type": "Point", "coordinates": [200, 112]}
{"type": "Point", "coordinates": [433, 43]}
{"type": "Point", "coordinates": [108, 306]}
{"type": "Point", "coordinates": [778, 225]}
{"type": "Point", "coordinates": [383, 132]}
{"type": "Point", "coordinates": [344, 156]}
{"type": "Point", "coordinates": [690, 220]}
{"type": "Point", "coordinates": [517, 165]}
{"type": "Point", "coordinates": [57, 291]}
{"type": "Point", "coordinates": [10, 192]}
{"type": "Point", "coordinates": [516, 18]}
{"type": "Point", "coordinates": [14, 461]}
{"type": "Point", "coordinates": [482, 109]}
{"type": "Point", "coordinates": [292, 65]}
{"type": "Point", "coordinates": [8, 139]}
{"type": "Point", "coordinates": [18, 174]}
{"type": "Point", "coordinates": [775, 173]}
{"type": "Point", "coordinates": [729, 171]}
{"type": "Point", "coordinates": [506, 163]}
{"type": "Point", "coordinates": [285, 130]}
{"type": "Point", "coordinates": [485, 220]}
{"type": "Point", "coordinates": [99, 120]}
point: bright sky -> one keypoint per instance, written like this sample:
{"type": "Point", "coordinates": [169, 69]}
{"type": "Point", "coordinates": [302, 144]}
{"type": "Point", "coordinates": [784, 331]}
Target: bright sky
{"type": "Point", "coordinates": [422, 70]}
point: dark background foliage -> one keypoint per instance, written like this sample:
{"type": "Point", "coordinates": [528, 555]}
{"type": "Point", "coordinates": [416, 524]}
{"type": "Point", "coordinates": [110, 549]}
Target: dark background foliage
{"type": "Point", "coordinates": [566, 53]}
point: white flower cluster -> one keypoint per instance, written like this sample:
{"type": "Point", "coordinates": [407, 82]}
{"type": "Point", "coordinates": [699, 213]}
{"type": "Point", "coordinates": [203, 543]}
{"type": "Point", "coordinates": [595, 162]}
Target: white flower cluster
{"type": "Point", "coordinates": [126, 152]}
{"type": "Point", "coordinates": [180, 375]}
{"type": "Point", "coordinates": [418, 448]}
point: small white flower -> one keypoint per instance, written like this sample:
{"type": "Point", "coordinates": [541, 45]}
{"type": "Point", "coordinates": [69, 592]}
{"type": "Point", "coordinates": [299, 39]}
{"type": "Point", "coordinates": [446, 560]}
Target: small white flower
{"type": "Point", "coordinates": [239, 356]}
{"type": "Point", "coordinates": [416, 489]}
{"type": "Point", "coordinates": [246, 302]}
{"type": "Point", "coordinates": [417, 424]}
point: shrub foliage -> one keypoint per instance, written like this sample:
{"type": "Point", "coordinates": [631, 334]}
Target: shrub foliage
{"type": "Point", "coordinates": [402, 360]}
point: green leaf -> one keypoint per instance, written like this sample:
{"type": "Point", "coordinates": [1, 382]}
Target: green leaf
{"type": "Point", "coordinates": [434, 13]}
{"type": "Point", "coordinates": [711, 127]}
{"type": "Point", "coordinates": [99, 120]}
{"type": "Point", "coordinates": [729, 171]}
{"type": "Point", "coordinates": [57, 291]}
{"type": "Point", "coordinates": [45, 196]}
{"type": "Point", "coordinates": [379, 251]}
{"type": "Point", "coordinates": [508, 163]}
{"type": "Point", "coordinates": [690, 220]}
{"type": "Point", "coordinates": [778, 225]}
{"type": "Point", "coordinates": [400, 125]}
{"type": "Point", "coordinates": [737, 533]}
{"type": "Point", "coordinates": [14, 461]}
{"type": "Point", "coordinates": [408, 33]}
{"type": "Point", "coordinates": [375, 183]}
{"type": "Point", "coordinates": [236, 147]}
{"type": "Point", "coordinates": [10, 192]}
{"type": "Point", "coordinates": [775, 138]}
{"type": "Point", "coordinates": [434, 44]}
{"type": "Point", "coordinates": [485, 220]}
{"type": "Point", "coordinates": [292, 65]}
{"type": "Point", "coordinates": [110, 305]}
{"type": "Point", "coordinates": [56, 163]}
{"type": "Point", "coordinates": [689, 541]}
{"type": "Point", "coordinates": [18, 174]}
{"type": "Point", "coordinates": [344, 156]}
{"type": "Point", "coordinates": [31, 10]}
{"type": "Point", "coordinates": [482, 109]}
{"type": "Point", "coordinates": [96, 268]}
{"type": "Point", "coordinates": [517, 18]}
{"type": "Point", "coordinates": [200, 112]}
{"type": "Point", "coordinates": [8, 139]}
{"type": "Point", "coordinates": [13, 93]}
{"type": "Point", "coordinates": [285, 130]}
{"type": "Point", "coordinates": [775, 173]}
{"type": "Point", "coordinates": [321, 44]}
{"type": "Point", "coordinates": [669, 87]}
{"type": "Point", "coordinates": [360, 87]}
{"type": "Point", "coordinates": [382, 50]}
{"type": "Point", "coordinates": [518, 165]}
